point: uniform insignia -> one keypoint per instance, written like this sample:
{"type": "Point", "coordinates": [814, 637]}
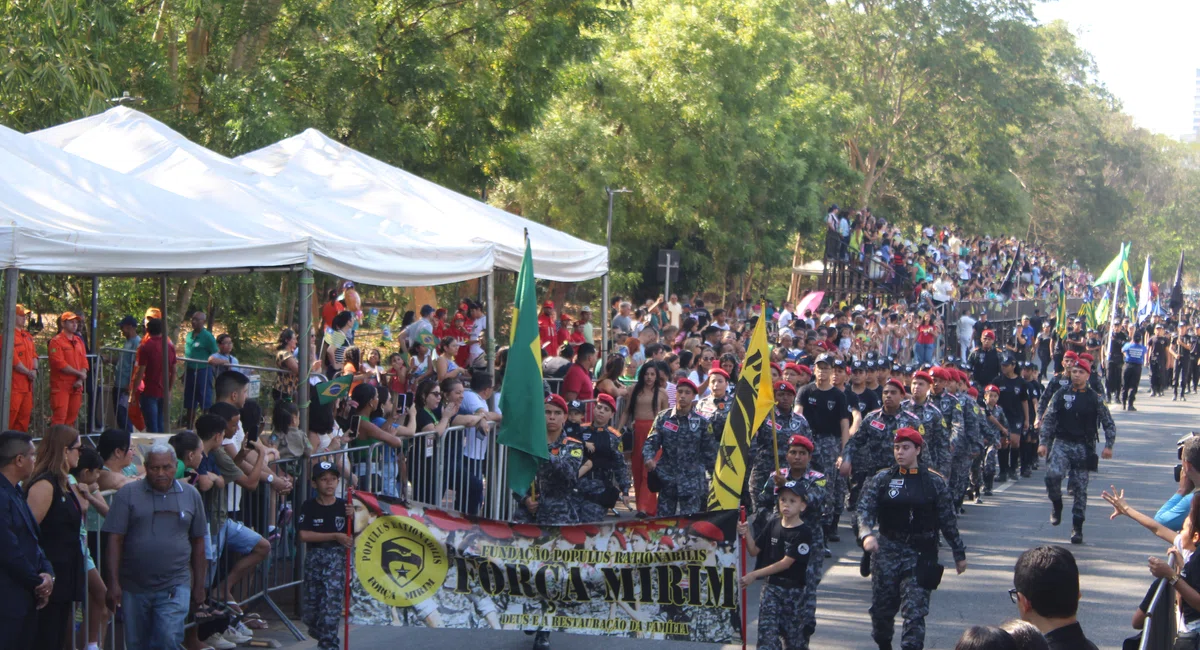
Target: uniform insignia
{"type": "Point", "coordinates": [896, 483]}
{"type": "Point", "coordinates": [813, 400]}
{"type": "Point", "coordinates": [339, 523]}
{"type": "Point", "coordinates": [802, 549]}
{"type": "Point", "coordinates": [830, 404]}
{"type": "Point", "coordinates": [876, 424]}
{"type": "Point", "coordinates": [820, 482]}
{"type": "Point", "coordinates": [670, 426]}
{"type": "Point", "coordinates": [893, 493]}
{"type": "Point", "coordinates": [1069, 401]}
{"type": "Point", "coordinates": [576, 453]}
{"type": "Point", "coordinates": [935, 473]}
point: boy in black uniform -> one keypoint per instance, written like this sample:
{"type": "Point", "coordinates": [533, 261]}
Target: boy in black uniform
{"type": "Point", "coordinates": [1158, 345]}
{"type": "Point", "coordinates": [1182, 347]}
{"type": "Point", "coordinates": [788, 546]}
{"type": "Point", "coordinates": [324, 526]}
{"type": "Point", "coordinates": [1116, 362]}
{"type": "Point", "coordinates": [1016, 413]}
{"type": "Point", "coordinates": [1033, 395]}
{"type": "Point", "coordinates": [609, 478]}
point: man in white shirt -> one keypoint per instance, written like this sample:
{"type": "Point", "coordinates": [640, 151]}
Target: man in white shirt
{"type": "Point", "coordinates": [420, 326]}
{"type": "Point", "coordinates": [785, 316]}
{"type": "Point", "coordinates": [964, 270]}
{"type": "Point", "coordinates": [943, 289]}
{"type": "Point", "coordinates": [468, 478]}
{"type": "Point", "coordinates": [585, 323]}
{"type": "Point", "coordinates": [966, 325]}
{"type": "Point", "coordinates": [674, 310]}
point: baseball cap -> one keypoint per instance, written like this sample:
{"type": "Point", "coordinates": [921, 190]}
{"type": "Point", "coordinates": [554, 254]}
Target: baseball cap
{"type": "Point", "coordinates": [585, 309]}
{"type": "Point", "coordinates": [797, 488]}
{"type": "Point", "coordinates": [1007, 360]}
{"type": "Point", "coordinates": [859, 366]}
{"type": "Point", "coordinates": [127, 321]}
{"type": "Point", "coordinates": [21, 311]}
{"type": "Point", "coordinates": [325, 467]}
{"type": "Point", "coordinates": [824, 358]}
{"type": "Point", "coordinates": [549, 304]}
{"type": "Point", "coordinates": [69, 315]}
{"type": "Point", "coordinates": [575, 405]}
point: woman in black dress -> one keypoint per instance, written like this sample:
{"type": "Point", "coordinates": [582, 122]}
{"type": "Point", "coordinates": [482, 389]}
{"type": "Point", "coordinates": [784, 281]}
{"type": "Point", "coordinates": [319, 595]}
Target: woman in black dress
{"type": "Point", "coordinates": [57, 511]}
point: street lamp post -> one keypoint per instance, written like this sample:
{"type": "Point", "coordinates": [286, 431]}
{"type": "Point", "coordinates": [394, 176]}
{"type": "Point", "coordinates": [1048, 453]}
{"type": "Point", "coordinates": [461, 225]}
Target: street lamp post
{"type": "Point", "coordinates": [604, 333]}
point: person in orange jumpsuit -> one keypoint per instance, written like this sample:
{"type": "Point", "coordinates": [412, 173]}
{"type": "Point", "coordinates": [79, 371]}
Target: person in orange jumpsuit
{"type": "Point", "coordinates": [548, 329]}
{"type": "Point", "coordinates": [24, 373]}
{"type": "Point", "coordinates": [68, 371]}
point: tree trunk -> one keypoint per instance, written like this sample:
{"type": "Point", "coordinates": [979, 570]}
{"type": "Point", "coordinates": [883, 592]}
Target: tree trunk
{"type": "Point", "coordinates": [797, 259]}
{"type": "Point", "coordinates": [184, 299]}
{"type": "Point", "coordinates": [281, 300]}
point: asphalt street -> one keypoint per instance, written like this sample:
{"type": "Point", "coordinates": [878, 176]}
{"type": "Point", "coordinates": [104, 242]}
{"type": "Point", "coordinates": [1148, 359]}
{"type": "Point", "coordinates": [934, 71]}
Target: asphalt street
{"type": "Point", "coordinates": [1112, 559]}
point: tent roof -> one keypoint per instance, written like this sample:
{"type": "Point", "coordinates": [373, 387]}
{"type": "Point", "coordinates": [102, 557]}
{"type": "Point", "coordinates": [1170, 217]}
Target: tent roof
{"type": "Point", "coordinates": [339, 239]}
{"type": "Point", "coordinates": [319, 166]}
{"type": "Point", "coordinates": [62, 214]}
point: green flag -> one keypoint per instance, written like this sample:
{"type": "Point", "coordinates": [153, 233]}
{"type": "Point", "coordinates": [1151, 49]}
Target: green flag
{"type": "Point", "coordinates": [1116, 268]}
{"type": "Point", "coordinates": [334, 388]}
{"type": "Point", "coordinates": [523, 429]}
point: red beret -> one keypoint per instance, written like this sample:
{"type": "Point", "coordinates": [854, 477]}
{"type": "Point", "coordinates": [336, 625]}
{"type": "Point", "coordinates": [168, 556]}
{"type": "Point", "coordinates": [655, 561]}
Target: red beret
{"type": "Point", "coordinates": [1087, 357]}
{"type": "Point", "coordinates": [794, 367]}
{"type": "Point", "coordinates": [709, 530]}
{"type": "Point", "coordinates": [719, 371]}
{"type": "Point", "coordinates": [987, 334]}
{"type": "Point", "coordinates": [801, 441]}
{"type": "Point", "coordinates": [606, 399]}
{"type": "Point", "coordinates": [1085, 365]}
{"type": "Point", "coordinates": [783, 385]}
{"type": "Point", "coordinates": [897, 383]}
{"type": "Point", "coordinates": [558, 401]}
{"type": "Point", "coordinates": [911, 435]}
{"type": "Point", "coordinates": [992, 388]}
{"type": "Point", "coordinates": [939, 372]}
{"type": "Point", "coordinates": [688, 383]}
{"type": "Point", "coordinates": [973, 392]}
{"type": "Point", "coordinates": [800, 367]}
{"type": "Point", "coordinates": [923, 376]}
{"type": "Point", "coordinates": [963, 376]}
{"type": "Point", "coordinates": [1070, 354]}
{"type": "Point", "coordinates": [776, 367]}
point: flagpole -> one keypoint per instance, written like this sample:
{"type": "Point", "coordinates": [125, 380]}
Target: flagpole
{"type": "Point", "coordinates": [1112, 319]}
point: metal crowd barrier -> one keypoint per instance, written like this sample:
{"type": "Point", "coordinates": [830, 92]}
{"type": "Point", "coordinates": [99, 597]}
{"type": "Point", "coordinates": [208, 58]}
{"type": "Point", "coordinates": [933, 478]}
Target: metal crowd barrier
{"type": "Point", "coordinates": [1161, 624]}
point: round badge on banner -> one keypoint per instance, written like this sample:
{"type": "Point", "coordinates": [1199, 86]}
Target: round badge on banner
{"type": "Point", "coordinates": [399, 561]}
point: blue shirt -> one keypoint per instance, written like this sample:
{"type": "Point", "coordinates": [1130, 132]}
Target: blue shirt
{"type": "Point", "coordinates": [1173, 513]}
{"type": "Point", "coordinates": [1134, 353]}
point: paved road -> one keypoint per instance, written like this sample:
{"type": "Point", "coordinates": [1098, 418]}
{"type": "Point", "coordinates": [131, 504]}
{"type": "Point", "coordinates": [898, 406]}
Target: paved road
{"type": "Point", "coordinates": [1112, 559]}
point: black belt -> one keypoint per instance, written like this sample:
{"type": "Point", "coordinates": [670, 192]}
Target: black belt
{"type": "Point", "coordinates": [912, 539]}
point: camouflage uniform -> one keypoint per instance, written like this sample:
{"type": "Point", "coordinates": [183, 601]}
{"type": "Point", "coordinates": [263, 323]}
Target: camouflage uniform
{"type": "Point", "coordinates": [557, 482]}
{"type": "Point", "coordinates": [716, 413]}
{"type": "Point", "coordinates": [1071, 422]}
{"type": "Point", "coordinates": [870, 449]}
{"type": "Point", "coordinates": [609, 470]}
{"type": "Point", "coordinates": [985, 466]}
{"type": "Point", "coordinates": [827, 449]}
{"type": "Point", "coordinates": [324, 588]}
{"type": "Point", "coordinates": [936, 452]}
{"type": "Point", "coordinates": [1056, 383]}
{"type": "Point", "coordinates": [777, 618]}
{"type": "Point", "coordinates": [688, 452]}
{"type": "Point", "coordinates": [966, 446]}
{"type": "Point", "coordinates": [764, 462]}
{"type": "Point", "coordinates": [904, 510]}
{"type": "Point", "coordinates": [816, 486]}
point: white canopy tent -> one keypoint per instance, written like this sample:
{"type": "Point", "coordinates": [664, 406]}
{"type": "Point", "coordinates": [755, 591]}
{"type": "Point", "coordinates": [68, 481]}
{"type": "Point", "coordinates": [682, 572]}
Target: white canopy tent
{"type": "Point", "coordinates": [62, 214]}
{"type": "Point", "coordinates": [342, 240]}
{"type": "Point", "coordinates": [318, 166]}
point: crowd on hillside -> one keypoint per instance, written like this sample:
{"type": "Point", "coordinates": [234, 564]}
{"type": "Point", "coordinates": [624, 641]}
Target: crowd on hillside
{"type": "Point", "coordinates": [960, 266]}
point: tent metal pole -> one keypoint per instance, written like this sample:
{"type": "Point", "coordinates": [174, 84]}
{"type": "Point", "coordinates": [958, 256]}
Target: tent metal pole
{"type": "Point", "coordinates": [305, 286]}
{"type": "Point", "coordinates": [166, 358]}
{"type": "Point", "coordinates": [490, 347]}
{"type": "Point", "coordinates": [93, 368]}
{"type": "Point", "coordinates": [6, 350]}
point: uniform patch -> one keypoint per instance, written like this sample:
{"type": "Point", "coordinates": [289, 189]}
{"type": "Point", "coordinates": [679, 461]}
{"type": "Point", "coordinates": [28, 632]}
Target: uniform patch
{"type": "Point", "coordinates": [830, 404]}
{"type": "Point", "coordinates": [1068, 401]}
{"type": "Point", "coordinates": [670, 426]}
{"type": "Point", "coordinates": [576, 453]}
{"type": "Point", "coordinates": [339, 523]}
{"type": "Point", "coordinates": [893, 493]}
{"type": "Point", "coordinates": [802, 549]}
{"type": "Point", "coordinates": [876, 424]}
{"type": "Point", "coordinates": [896, 483]}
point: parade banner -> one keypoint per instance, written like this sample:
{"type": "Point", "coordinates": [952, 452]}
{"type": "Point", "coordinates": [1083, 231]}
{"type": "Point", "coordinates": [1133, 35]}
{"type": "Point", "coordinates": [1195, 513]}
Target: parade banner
{"type": "Point", "coordinates": [669, 578]}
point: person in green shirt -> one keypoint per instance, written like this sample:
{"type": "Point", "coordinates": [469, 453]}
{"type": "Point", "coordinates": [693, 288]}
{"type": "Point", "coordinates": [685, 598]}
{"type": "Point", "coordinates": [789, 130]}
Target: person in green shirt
{"type": "Point", "coordinates": [199, 345]}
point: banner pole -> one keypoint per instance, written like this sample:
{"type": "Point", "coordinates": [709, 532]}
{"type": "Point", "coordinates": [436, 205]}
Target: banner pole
{"type": "Point", "coordinates": [741, 572]}
{"type": "Point", "coordinates": [349, 552]}
{"type": "Point", "coordinates": [775, 439]}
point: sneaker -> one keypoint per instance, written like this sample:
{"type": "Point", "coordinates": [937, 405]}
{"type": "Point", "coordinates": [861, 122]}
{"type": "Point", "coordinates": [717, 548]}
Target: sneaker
{"type": "Point", "coordinates": [978, 500]}
{"type": "Point", "coordinates": [217, 641]}
{"type": "Point", "coordinates": [243, 630]}
{"type": "Point", "coordinates": [235, 637]}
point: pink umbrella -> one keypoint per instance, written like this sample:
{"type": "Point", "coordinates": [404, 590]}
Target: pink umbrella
{"type": "Point", "coordinates": [811, 301]}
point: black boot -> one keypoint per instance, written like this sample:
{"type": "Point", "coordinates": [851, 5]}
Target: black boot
{"type": "Point", "coordinates": [1056, 513]}
{"type": "Point", "coordinates": [541, 640]}
{"type": "Point", "coordinates": [864, 565]}
{"type": "Point", "coordinates": [1077, 531]}
{"type": "Point", "coordinates": [987, 485]}
{"type": "Point", "coordinates": [831, 534]}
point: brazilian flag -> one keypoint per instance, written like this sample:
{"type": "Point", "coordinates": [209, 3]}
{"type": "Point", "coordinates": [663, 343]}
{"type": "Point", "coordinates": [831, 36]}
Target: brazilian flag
{"type": "Point", "coordinates": [334, 388]}
{"type": "Point", "coordinates": [1060, 313]}
{"type": "Point", "coordinates": [523, 429]}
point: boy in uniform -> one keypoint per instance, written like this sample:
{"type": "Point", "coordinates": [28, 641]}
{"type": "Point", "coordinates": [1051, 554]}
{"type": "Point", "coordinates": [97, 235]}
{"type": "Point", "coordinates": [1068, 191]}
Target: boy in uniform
{"type": "Point", "coordinates": [787, 542]}
{"type": "Point", "coordinates": [324, 526]}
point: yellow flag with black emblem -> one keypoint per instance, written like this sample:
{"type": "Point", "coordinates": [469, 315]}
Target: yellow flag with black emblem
{"type": "Point", "coordinates": [753, 399]}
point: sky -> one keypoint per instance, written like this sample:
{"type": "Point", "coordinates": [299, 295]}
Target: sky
{"type": "Point", "coordinates": [1146, 51]}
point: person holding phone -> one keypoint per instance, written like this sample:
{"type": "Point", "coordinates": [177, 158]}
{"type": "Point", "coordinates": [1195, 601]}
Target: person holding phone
{"type": "Point", "coordinates": [363, 431]}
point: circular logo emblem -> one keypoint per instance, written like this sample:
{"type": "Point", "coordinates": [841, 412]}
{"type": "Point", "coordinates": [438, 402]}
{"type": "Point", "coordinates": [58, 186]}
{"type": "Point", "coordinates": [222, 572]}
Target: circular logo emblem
{"type": "Point", "coordinates": [399, 561]}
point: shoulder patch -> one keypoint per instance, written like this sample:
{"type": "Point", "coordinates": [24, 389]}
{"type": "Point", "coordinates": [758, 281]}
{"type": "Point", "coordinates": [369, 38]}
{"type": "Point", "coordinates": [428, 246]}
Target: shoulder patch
{"type": "Point", "coordinates": [935, 473]}
{"type": "Point", "coordinates": [576, 453]}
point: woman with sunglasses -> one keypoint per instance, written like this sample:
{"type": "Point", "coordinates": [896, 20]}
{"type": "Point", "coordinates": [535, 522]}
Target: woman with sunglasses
{"type": "Point", "coordinates": [58, 512]}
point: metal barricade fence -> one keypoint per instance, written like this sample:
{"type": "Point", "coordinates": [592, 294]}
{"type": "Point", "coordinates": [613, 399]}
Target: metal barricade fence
{"type": "Point", "coordinates": [1160, 627]}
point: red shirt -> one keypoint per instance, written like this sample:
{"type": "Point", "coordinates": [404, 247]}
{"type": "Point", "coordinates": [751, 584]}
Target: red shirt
{"type": "Point", "coordinates": [926, 334]}
{"type": "Point", "coordinates": [329, 311]}
{"type": "Point", "coordinates": [149, 356]}
{"type": "Point", "coordinates": [548, 333]}
{"type": "Point", "coordinates": [578, 381]}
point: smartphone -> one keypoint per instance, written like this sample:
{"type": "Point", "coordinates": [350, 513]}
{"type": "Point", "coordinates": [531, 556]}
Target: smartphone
{"type": "Point", "coordinates": [402, 403]}
{"type": "Point", "coordinates": [355, 420]}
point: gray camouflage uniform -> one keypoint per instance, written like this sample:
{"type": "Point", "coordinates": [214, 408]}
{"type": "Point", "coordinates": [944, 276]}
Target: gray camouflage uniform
{"type": "Point", "coordinates": [324, 588]}
{"type": "Point", "coordinates": [558, 499]}
{"type": "Point", "coordinates": [964, 449]}
{"type": "Point", "coordinates": [787, 425]}
{"type": "Point", "coordinates": [936, 452]}
{"type": "Point", "coordinates": [716, 413]}
{"type": "Point", "coordinates": [870, 449]}
{"type": "Point", "coordinates": [905, 512]}
{"type": "Point", "coordinates": [984, 468]}
{"type": "Point", "coordinates": [1071, 422]}
{"type": "Point", "coordinates": [688, 452]}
